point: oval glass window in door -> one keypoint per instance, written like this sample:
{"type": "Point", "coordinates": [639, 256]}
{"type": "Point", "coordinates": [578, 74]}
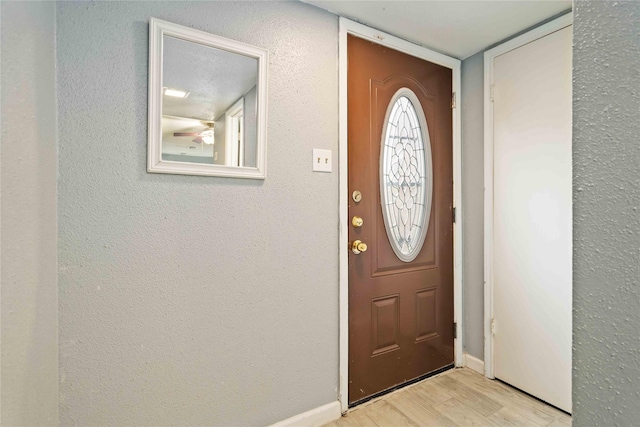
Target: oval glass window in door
{"type": "Point", "coordinates": [406, 175]}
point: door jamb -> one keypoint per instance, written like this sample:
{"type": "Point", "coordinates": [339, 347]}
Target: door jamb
{"type": "Point", "coordinates": [350, 27]}
{"type": "Point", "coordinates": [489, 56]}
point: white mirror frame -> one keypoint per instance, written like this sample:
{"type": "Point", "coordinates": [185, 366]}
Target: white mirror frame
{"type": "Point", "coordinates": [158, 29]}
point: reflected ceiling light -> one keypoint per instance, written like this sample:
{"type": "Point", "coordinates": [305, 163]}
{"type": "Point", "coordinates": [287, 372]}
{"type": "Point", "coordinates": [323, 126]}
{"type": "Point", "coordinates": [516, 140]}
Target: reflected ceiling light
{"type": "Point", "coordinates": [176, 93]}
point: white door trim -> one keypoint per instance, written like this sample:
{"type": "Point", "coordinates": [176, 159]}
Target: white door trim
{"type": "Point", "coordinates": [489, 56]}
{"type": "Point", "coordinates": [350, 27]}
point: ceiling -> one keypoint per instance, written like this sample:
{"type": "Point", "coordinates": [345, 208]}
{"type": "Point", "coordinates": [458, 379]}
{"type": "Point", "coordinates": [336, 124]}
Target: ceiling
{"type": "Point", "coordinates": [215, 78]}
{"type": "Point", "coordinates": [455, 28]}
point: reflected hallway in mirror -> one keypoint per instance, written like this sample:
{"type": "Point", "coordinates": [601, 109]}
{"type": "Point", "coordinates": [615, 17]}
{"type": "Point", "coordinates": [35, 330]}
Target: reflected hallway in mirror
{"type": "Point", "coordinates": [208, 104]}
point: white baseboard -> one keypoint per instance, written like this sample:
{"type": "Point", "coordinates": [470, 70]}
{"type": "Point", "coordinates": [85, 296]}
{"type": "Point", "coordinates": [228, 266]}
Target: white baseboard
{"type": "Point", "coordinates": [313, 418]}
{"type": "Point", "coordinates": [474, 363]}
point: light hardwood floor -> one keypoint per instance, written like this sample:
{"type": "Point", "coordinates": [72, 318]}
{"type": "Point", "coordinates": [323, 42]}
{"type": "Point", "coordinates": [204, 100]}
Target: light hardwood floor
{"type": "Point", "coordinates": [459, 397]}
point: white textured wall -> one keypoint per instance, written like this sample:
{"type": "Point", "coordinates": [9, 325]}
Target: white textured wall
{"type": "Point", "coordinates": [28, 163]}
{"type": "Point", "coordinates": [473, 202]}
{"type": "Point", "coordinates": [194, 300]}
{"type": "Point", "coordinates": [606, 162]}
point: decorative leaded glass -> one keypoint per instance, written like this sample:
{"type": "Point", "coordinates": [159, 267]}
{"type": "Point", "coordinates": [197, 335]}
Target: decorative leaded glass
{"type": "Point", "coordinates": [406, 176]}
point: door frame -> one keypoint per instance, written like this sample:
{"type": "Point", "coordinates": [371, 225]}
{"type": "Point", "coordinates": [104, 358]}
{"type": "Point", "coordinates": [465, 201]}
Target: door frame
{"type": "Point", "coordinates": [350, 27]}
{"type": "Point", "coordinates": [489, 56]}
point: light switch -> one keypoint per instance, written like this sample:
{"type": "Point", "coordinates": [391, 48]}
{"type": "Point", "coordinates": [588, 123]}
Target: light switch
{"type": "Point", "coordinates": [321, 160]}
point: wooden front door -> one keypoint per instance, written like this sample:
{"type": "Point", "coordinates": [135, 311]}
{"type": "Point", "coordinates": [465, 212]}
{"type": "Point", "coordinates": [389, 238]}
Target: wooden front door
{"type": "Point", "coordinates": [401, 219]}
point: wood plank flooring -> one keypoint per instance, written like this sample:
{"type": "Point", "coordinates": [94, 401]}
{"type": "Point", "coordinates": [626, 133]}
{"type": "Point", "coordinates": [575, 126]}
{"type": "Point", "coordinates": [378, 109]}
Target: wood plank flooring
{"type": "Point", "coordinates": [459, 397]}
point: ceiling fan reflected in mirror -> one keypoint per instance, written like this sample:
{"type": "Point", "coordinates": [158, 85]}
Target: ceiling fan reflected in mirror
{"type": "Point", "coordinates": [205, 136]}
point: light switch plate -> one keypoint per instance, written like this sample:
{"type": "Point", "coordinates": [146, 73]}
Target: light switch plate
{"type": "Point", "coordinates": [321, 160]}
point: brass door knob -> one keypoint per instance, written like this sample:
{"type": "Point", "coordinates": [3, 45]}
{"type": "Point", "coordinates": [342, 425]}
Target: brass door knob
{"type": "Point", "coordinates": [358, 247]}
{"type": "Point", "coordinates": [356, 221]}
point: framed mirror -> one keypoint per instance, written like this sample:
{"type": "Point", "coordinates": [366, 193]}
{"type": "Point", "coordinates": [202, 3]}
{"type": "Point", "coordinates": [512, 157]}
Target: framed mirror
{"type": "Point", "coordinates": [207, 104]}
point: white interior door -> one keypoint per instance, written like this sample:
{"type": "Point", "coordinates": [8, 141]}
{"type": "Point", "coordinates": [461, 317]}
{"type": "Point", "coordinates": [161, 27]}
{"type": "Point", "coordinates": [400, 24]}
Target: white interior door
{"type": "Point", "coordinates": [532, 222]}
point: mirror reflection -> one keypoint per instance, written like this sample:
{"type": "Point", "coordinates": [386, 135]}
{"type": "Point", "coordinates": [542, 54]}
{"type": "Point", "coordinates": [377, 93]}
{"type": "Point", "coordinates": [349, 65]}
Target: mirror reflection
{"type": "Point", "coordinates": [209, 105]}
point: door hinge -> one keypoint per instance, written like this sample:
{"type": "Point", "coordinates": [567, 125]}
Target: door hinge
{"type": "Point", "coordinates": [455, 330]}
{"type": "Point", "coordinates": [493, 326]}
{"type": "Point", "coordinates": [453, 100]}
{"type": "Point", "coordinates": [454, 215]}
{"type": "Point", "coordinates": [492, 92]}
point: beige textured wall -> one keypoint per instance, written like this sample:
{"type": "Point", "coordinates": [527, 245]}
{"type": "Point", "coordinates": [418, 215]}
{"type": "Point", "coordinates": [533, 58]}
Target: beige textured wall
{"type": "Point", "coordinates": [606, 218]}
{"type": "Point", "coordinates": [189, 300]}
{"type": "Point", "coordinates": [473, 202]}
{"type": "Point", "coordinates": [28, 163]}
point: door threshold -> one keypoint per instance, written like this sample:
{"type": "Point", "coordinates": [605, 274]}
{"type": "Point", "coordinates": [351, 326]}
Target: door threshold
{"type": "Point", "coordinates": [390, 390]}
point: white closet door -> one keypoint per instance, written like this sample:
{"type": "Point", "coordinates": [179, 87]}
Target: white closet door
{"type": "Point", "coordinates": [533, 218]}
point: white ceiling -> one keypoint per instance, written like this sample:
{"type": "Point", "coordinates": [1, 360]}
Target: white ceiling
{"type": "Point", "coordinates": [455, 28]}
{"type": "Point", "coordinates": [215, 78]}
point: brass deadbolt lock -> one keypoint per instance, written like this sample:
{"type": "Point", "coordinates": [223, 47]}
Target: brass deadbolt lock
{"type": "Point", "coordinates": [356, 221]}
